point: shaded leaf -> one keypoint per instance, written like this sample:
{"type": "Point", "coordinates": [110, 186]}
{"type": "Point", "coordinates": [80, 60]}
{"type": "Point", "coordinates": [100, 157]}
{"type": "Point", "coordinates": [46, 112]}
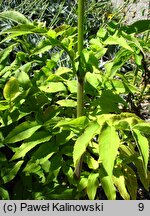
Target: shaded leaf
{"type": "Point", "coordinates": [131, 181]}
{"type": "Point", "coordinates": [143, 127]}
{"type": "Point", "coordinates": [4, 195]}
{"type": "Point", "coordinates": [55, 166]}
{"type": "Point", "coordinates": [109, 101]}
{"type": "Point", "coordinates": [143, 147]}
{"type": "Point", "coordinates": [5, 52]}
{"type": "Point", "coordinates": [143, 176]}
{"type": "Point", "coordinates": [36, 139]}
{"type": "Point", "coordinates": [22, 132]}
{"type": "Point", "coordinates": [138, 27]}
{"type": "Point", "coordinates": [10, 174]}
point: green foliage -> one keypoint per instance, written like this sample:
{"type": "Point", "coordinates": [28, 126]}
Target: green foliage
{"type": "Point", "coordinates": [42, 140]}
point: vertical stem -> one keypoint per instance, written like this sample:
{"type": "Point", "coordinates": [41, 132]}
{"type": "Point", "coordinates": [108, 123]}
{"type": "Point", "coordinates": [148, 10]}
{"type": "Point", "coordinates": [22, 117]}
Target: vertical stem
{"type": "Point", "coordinates": [80, 97]}
{"type": "Point", "coordinates": [80, 25]}
{"type": "Point", "coordinates": [80, 91]}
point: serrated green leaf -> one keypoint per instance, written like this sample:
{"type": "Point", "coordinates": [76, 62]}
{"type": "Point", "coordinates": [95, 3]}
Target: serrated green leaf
{"type": "Point", "coordinates": [4, 195]}
{"type": "Point", "coordinates": [22, 132]}
{"type": "Point", "coordinates": [24, 80]}
{"type": "Point", "coordinates": [39, 162]}
{"type": "Point", "coordinates": [55, 166]}
{"type": "Point", "coordinates": [119, 86]}
{"type": "Point", "coordinates": [11, 173]}
{"type": "Point", "coordinates": [119, 181]}
{"type": "Point", "coordinates": [82, 142]}
{"type": "Point", "coordinates": [143, 127]}
{"type": "Point", "coordinates": [72, 86]}
{"type": "Point", "coordinates": [36, 139]}
{"type": "Point", "coordinates": [91, 162]}
{"type": "Point", "coordinates": [107, 184]}
{"type": "Point", "coordinates": [77, 122]}
{"type": "Point", "coordinates": [3, 105]}
{"type": "Point", "coordinates": [131, 181]}
{"type": "Point", "coordinates": [82, 183]}
{"type": "Point", "coordinates": [5, 52]}
{"type": "Point", "coordinates": [11, 88]}
{"type": "Point", "coordinates": [92, 185]}
{"type": "Point", "coordinates": [102, 32]}
{"type": "Point", "coordinates": [138, 27]}
{"type": "Point", "coordinates": [143, 176]}
{"type": "Point", "coordinates": [92, 79]}
{"type": "Point", "coordinates": [109, 101]}
{"type": "Point", "coordinates": [143, 147]}
{"type": "Point", "coordinates": [113, 40]}
{"type": "Point", "coordinates": [15, 16]}
{"type": "Point", "coordinates": [20, 30]}
{"type": "Point", "coordinates": [53, 87]}
{"type": "Point", "coordinates": [108, 147]}
{"type": "Point", "coordinates": [42, 47]}
{"type": "Point", "coordinates": [62, 70]}
{"type": "Point", "coordinates": [67, 103]}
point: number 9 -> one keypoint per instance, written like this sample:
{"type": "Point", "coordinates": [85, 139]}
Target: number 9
{"type": "Point", "coordinates": [141, 206]}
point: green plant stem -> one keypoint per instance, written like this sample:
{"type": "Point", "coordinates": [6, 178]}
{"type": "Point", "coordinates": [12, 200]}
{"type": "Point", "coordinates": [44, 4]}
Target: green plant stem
{"type": "Point", "coordinates": [80, 97]}
{"type": "Point", "coordinates": [80, 91]}
{"type": "Point", "coordinates": [80, 25]}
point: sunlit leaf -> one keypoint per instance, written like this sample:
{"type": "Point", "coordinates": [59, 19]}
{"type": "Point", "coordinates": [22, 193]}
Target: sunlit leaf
{"type": "Point", "coordinates": [42, 47]}
{"type": "Point", "coordinates": [14, 16]}
{"type": "Point", "coordinates": [108, 147]}
{"type": "Point", "coordinates": [83, 140]}
{"type": "Point", "coordinates": [11, 88]}
{"type": "Point", "coordinates": [62, 70]}
{"type": "Point", "coordinates": [91, 162]}
{"type": "Point", "coordinates": [112, 40]}
{"type": "Point", "coordinates": [92, 185]}
{"type": "Point", "coordinates": [119, 181]}
{"type": "Point", "coordinates": [67, 103]}
{"type": "Point", "coordinates": [107, 184]}
{"type": "Point", "coordinates": [53, 87]}
{"type": "Point", "coordinates": [92, 79]}
{"type": "Point", "coordinates": [24, 79]}
{"type": "Point", "coordinates": [77, 122]}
